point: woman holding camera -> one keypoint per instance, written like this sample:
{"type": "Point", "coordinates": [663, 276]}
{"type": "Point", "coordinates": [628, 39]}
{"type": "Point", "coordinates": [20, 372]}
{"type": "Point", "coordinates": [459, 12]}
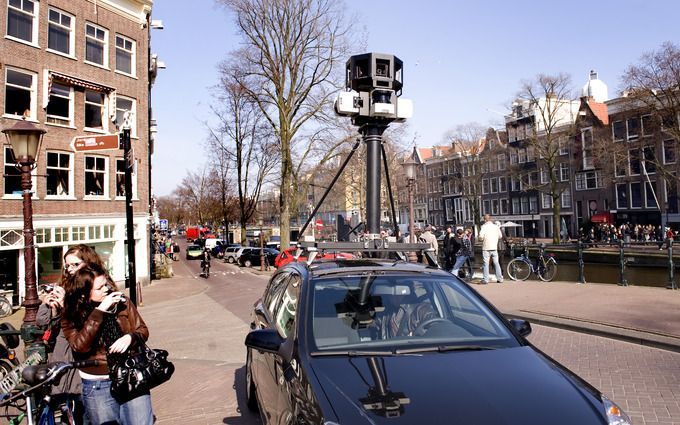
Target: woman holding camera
{"type": "Point", "coordinates": [49, 315]}
{"type": "Point", "coordinates": [99, 323]}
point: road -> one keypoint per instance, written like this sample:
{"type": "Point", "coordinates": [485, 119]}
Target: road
{"type": "Point", "coordinates": [644, 381]}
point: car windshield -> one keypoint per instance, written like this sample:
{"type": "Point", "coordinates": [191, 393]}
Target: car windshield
{"type": "Point", "coordinates": [401, 312]}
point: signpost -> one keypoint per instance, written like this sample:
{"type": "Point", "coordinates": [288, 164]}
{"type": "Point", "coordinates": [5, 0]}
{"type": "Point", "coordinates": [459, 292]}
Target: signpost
{"type": "Point", "coordinates": [95, 143]}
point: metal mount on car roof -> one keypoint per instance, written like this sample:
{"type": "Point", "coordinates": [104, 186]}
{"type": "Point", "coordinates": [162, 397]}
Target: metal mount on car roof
{"type": "Point", "coordinates": [369, 247]}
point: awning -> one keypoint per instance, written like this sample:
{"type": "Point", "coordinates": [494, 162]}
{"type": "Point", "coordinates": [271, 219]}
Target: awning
{"type": "Point", "coordinates": [602, 218]}
{"type": "Point", "coordinates": [79, 82]}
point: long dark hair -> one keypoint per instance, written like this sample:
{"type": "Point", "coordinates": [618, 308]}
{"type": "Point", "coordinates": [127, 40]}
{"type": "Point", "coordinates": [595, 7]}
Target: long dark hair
{"type": "Point", "coordinates": [77, 305]}
{"type": "Point", "coordinates": [86, 254]}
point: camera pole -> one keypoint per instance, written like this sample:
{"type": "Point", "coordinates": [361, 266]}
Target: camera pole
{"type": "Point", "coordinates": [129, 164]}
{"type": "Point", "coordinates": [372, 136]}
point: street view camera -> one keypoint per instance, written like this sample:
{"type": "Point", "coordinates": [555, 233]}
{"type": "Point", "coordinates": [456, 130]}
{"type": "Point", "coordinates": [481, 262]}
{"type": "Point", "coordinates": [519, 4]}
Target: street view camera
{"type": "Point", "coordinates": [373, 82]}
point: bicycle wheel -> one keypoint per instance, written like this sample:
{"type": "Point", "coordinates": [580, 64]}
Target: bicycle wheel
{"type": "Point", "coordinates": [547, 273]}
{"type": "Point", "coordinates": [5, 307]}
{"type": "Point", "coordinates": [518, 269]}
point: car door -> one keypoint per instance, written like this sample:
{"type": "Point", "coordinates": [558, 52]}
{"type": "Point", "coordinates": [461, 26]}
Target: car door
{"type": "Point", "coordinates": [285, 320]}
{"type": "Point", "coordinates": [262, 365]}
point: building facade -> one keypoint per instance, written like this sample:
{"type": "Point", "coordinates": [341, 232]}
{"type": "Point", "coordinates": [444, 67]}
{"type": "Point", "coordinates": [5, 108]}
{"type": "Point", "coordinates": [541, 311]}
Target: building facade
{"type": "Point", "coordinates": [75, 68]}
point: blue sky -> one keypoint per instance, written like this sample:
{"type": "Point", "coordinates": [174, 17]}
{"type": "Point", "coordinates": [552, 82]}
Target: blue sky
{"type": "Point", "coordinates": [463, 60]}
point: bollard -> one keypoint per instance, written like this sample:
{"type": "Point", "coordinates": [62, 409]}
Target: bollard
{"type": "Point", "coordinates": [581, 276]}
{"type": "Point", "coordinates": [622, 264]}
{"type": "Point", "coordinates": [671, 278]}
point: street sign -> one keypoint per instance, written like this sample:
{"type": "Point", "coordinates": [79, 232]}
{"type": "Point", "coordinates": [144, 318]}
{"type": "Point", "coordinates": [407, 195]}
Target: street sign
{"type": "Point", "coordinates": [163, 224]}
{"type": "Point", "coordinates": [95, 143]}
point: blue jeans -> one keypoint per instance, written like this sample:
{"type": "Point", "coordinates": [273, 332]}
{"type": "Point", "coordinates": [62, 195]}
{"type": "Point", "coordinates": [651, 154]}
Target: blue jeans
{"type": "Point", "coordinates": [103, 409]}
{"type": "Point", "coordinates": [486, 256]}
{"type": "Point", "coordinates": [460, 260]}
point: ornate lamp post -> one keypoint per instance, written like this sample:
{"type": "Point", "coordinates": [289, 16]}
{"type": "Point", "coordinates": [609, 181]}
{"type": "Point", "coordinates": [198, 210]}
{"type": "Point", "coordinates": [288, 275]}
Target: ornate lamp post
{"type": "Point", "coordinates": [25, 139]}
{"type": "Point", "coordinates": [410, 170]}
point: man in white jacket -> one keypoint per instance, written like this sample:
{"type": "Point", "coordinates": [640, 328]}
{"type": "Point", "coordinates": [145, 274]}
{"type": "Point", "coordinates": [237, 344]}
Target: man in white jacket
{"type": "Point", "coordinates": [490, 235]}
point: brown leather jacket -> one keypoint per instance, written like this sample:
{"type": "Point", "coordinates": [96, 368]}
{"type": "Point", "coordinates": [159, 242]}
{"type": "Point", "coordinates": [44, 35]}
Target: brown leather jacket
{"type": "Point", "coordinates": [82, 340]}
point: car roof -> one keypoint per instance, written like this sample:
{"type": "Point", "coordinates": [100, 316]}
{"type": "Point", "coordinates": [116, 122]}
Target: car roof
{"type": "Point", "coordinates": [325, 266]}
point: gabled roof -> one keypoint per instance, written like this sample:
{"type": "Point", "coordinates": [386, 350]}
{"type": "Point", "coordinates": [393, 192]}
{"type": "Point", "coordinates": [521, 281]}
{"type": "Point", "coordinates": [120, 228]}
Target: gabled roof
{"type": "Point", "coordinates": [597, 109]}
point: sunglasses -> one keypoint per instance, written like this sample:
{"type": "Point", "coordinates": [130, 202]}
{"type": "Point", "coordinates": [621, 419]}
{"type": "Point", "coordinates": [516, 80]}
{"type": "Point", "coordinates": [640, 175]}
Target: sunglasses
{"type": "Point", "coordinates": [72, 265]}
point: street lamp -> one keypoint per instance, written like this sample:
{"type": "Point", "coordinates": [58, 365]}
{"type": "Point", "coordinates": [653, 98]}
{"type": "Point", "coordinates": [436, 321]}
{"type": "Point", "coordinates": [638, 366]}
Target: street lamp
{"type": "Point", "coordinates": [25, 139]}
{"type": "Point", "coordinates": [410, 170]}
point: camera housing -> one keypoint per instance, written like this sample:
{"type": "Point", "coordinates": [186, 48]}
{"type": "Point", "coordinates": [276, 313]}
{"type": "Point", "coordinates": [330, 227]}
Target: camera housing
{"type": "Point", "coordinates": [373, 82]}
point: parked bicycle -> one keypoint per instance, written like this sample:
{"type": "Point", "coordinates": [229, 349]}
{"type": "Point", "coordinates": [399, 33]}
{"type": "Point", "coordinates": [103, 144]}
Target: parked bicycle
{"type": "Point", "coordinates": [34, 403]}
{"type": "Point", "coordinates": [522, 267]}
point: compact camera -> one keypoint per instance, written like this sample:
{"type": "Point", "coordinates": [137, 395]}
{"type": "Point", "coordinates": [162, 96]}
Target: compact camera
{"type": "Point", "coordinates": [47, 288]}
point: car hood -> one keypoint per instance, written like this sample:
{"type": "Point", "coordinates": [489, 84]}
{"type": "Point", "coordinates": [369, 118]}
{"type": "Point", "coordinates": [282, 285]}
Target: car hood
{"type": "Point", "coordinates": [503, 386]}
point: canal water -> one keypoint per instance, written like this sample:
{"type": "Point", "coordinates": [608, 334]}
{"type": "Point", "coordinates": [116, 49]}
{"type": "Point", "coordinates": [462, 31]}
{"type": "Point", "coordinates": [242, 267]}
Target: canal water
{"type": "Point", "coordinates": [602, 273]}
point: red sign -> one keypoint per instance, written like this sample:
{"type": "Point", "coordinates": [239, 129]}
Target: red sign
{"type": "Point", "coordinates": [95, 143]}
{"type": "Point", "coordinates": [319, 224]}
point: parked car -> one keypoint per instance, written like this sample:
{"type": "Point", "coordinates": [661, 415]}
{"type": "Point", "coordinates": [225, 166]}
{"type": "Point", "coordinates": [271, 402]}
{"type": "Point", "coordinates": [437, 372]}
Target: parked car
{"type": "Point", "coordinates": [194, 252]}
{"type": "Point", "coordinates": [230, 253]}
{"type": "Point", "coordinates": [329, 346]}
{"type": "Point", "coordinates": [288, 255]}
{"type": "Point", "coordinates": [252, 257]}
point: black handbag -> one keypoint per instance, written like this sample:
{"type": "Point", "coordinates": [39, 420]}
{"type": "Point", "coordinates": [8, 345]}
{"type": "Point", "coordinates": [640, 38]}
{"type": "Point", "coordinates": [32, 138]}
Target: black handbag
{"type": "Point", "coordinates": [139, 372]}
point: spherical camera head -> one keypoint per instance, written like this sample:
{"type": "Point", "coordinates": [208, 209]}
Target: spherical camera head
{"type": "Point", "coordinates": [370, 71]}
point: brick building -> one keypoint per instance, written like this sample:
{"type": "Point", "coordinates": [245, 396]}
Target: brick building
{"type": "Point", "coordinates": [75, 67]}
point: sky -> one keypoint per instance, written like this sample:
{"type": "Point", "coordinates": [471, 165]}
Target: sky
{"type": "Point", "coordinates": [464, 61]}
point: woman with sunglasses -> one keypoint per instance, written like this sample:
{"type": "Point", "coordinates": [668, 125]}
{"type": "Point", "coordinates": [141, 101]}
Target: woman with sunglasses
{"type": "Point", "coordinates": [99, 323]}
{"type": "Point", "coordinates": [49, 315]}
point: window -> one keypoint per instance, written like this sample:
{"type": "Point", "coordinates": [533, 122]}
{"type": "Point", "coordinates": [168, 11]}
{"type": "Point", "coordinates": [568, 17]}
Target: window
{"type": "Point", "coordinates": [501, 162]}
{"type": "Point", "coordinates": [120, 180]}
{"type": "Point", "coordinates": [619, 129]}
{"type": "Point", "coordinates": [125, 55]}
{"type": "Point", "coordinates": [486, 206]}
{"type": "Point", "coordinates": [669, 151]}
{"type": "Point", "coordinates": [650, 195]}
{"type": "Point", "coordinates": [504, 206]}
{"type": "Point", "coordinates": [495, 207]}
{"type": "Point", "coordinates": [566, 199]}
{"type": "Point", "coordinates": [94, 109]}
{"type": "Point", "coordinates": [650, 159]}
{"type": "Point", "coordinates": [21, 20]}
{"type": "Point", "coordinates": [671, 190]}
{"type": "Point", "coordinates": [95, 176]}
{"type": "Point", "coordinates": [564, 172]}
{"type": "Point", "coordinates": [60, 106]}
{"type": "Point", "coordinates": [563, 147]}
{"type": "Point", "coordinates": [20, 93]}
{"type": "Point", "coordinates": [622, 195]}
{"type": "Point", "coordinates": [78, 233]}
{"type": "Point", "coordinates": [12, 174]}
{"type": "Point", "coordinates": [485, 186]}
{"type": "Point", "coordinates": [634, 161]}
{"type": "Point", "coordinates": [588, 180]}
{"type": "Point", "coordinates": [123, 105]}
{"type": "Point", "coordinates": [494, 186]}
{"type": "Point", "coordinates": [648, 125]}
{"type": "Point", "coordinates": [60, 32]}
{"type": "Point", "coordinates": [522, 155]}
{"type": "Point", "coordinates": [515, 206]}
{"type": "Point", "coordinates": [635, 195]}
{"type": "Point", "coordinates": [502, 184]}
{"type": "Point", "coordinates": [513, 158]}
{"type": "Point", "coordinates": [587, 148]}
{"type": "Point", "coordinates": [59, 174]}
{"type": "Point", "coordinates": [546, 200]}
{"type": "Point", "coordinates": [96, 45]}
{"type": "Point", "coordinates": [543, 176]}
{"type": "Point", "coordinates": [284, 311]}
{"type": "Point", "coordinates": [531, 154]}
{"type": "Point", "coordinates": [633, 128]}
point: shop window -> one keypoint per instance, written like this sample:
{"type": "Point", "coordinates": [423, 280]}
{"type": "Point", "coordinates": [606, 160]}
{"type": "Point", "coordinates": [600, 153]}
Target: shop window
{"type": "Point", "coordinates": [60, 106]}
{"type": "Point", "coordinates": [61, 234]}
{"type": "Point", "coordinates": [78, 233]}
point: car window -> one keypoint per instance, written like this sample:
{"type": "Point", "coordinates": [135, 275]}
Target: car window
{"type": "Point", "coordinates": [396, 307]}
{"type": "Point", "coordinates": [286, 307]}
{"type": "Point", "coordinates": [274, 290]}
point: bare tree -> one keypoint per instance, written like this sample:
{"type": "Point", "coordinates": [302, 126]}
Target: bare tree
{"type": "Point", "coordinates": [240, 143]}
{"type": "Point", "coordinates": [654, 84]}
{"type": "Point", "coordinates": [293, 50]}
{"type": "Point", "coordinates": [549, 102]}
{"type": "Point", "coordinates": [193, 193]}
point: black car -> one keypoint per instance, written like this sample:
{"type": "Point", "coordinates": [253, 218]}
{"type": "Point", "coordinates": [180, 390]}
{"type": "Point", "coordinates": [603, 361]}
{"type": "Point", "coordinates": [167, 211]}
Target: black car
{"type": "Point", "coordinates": [372, 341]}
{"type": "Point", "coordinates": [252, 257]}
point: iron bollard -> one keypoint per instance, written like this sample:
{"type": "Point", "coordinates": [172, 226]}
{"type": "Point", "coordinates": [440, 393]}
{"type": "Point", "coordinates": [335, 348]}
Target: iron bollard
{"type": "Point", "coordinates": [622, 264]}
{"type": "Point", "coordinates": [581, 276]}
{"type": "Point", "coordinates": [671, 278]}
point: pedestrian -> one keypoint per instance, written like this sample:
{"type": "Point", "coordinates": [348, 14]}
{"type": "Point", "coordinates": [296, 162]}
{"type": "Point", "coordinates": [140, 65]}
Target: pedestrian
{"type": "Point", "coordinates": [99, 323]}
{"type": "Point", "coordinates": [429, 238]}
{"type": "Point", "coordinates": [49, 315]}
{"type": "Point", "coordinates": [490, 234]}
{"type": "Point", "coordinates": [464, 251]}
{"type": "Point", "coordinates": [451, 246]}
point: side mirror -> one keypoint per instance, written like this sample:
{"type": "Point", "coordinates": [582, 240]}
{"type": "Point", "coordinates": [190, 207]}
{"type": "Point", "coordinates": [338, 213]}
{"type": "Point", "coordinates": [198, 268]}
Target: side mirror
{"type": "Point", "coordinates": [267, 340]}
{"type": "Point", "coordinates": [521, 326]}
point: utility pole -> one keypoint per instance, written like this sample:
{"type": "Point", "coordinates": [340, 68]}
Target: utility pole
{"type": "Point", "coordinates": [129, 164]}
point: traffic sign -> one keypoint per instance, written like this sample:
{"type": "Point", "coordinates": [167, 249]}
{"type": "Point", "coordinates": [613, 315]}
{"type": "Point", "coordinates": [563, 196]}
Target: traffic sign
{"type": "Point", "coordinates": [95, 143]}
{"type": "Point", "coordinates": [163, 224]}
